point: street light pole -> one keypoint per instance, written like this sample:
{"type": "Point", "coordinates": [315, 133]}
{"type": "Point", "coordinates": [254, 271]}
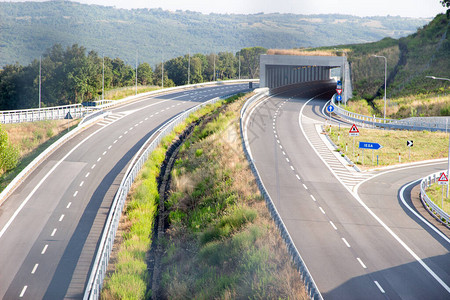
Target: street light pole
{"type": "Point", "coordinates": [189, 65]}
{"type": "Point", "coordinates": [136, 69]}
{"type": "Point", "coordinates": [385, 87]}
{"type": "Point", "coordinates": [448, 157]}
{"type": "Point", "coordinates": [40, 80]}
{"type": "Point", "coordinates": [103, 77]}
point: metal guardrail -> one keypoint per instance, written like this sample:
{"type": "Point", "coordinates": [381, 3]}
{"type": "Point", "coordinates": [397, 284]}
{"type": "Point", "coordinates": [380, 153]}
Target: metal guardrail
{"type": "Point", "coordinates": [430, 205]}
{"type": "Point", "coordinates": [94, 285]}
{"type": "Point", "coordinates": [80, 110]}
{"type": "Point", "coordinates": [310, 285]}
{"type": "Point", "coordinates": [375, 122]}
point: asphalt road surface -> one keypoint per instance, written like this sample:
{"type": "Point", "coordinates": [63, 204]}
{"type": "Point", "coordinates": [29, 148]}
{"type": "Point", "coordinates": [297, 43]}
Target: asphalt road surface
{"type": "Point", "coordinates": [51, 225]}
{"type": "Point", "coordinates": [355, 233]}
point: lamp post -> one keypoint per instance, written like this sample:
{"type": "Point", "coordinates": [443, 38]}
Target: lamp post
{"type": "Point", "coordinates": [385, 87]}
{"type": "Point", "coordinates": [103, 77]}
{"type": "Point", "coordinates": [40, 81]}
{"type": "Point", "coordinates": [448, 159]}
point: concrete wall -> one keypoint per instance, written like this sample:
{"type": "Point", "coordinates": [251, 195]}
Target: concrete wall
{"type": "Point", "coordinates": [281, 70]}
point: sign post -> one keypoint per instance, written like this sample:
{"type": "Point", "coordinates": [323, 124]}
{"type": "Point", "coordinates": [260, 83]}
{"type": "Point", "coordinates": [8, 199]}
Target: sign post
{"type": "Point", "coordinates": [353, 132]}
{"type": "Point", "coordinates": [330, 109]}
{"type": "Point", "coordinates": [443, 180]}
{"type": "Point", "coordinates": [68, 117]}
{"type": "Point", "coordinates": [366, 145]}
{"type": "Point", "coordinates": [409, 144]}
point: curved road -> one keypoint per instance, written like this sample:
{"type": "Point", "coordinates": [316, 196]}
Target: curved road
{"type": "Point", "coordinates": [51, 224]}
{"type": "Point", "coordinates": [352, 229]}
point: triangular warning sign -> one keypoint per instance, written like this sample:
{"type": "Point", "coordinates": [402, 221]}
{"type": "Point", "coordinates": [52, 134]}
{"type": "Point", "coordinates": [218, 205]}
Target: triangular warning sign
{"type": "Point", "coordinates": [443, 177]}
{"type": "Point", "coordinates": [354, 129]}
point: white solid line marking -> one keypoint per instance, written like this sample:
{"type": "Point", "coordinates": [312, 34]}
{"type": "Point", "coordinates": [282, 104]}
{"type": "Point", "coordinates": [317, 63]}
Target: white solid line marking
{"type": "Point", "coordinates": [23, 291]}
{"type": "Point", "coordinates": [34, 268]}
{"type": "Point", "coordinates": [61, 218]}
{"type": "Point", "coordinates": [379, 287]}
{"type": "Point", "coordinates": [298, 177]}
{"type": "Point", "coordinates": [68, 205]}
{"type": "Point", "coordinates": [53, 232]}
{"type": "Point", "coordinates": [75, 194]}
{"type": "Point", "coordinates": [332, 224]}
{"type": "Point", "coordinates": [93, 166]}
{"type": "Point", "coordinates": [305, 186]}
{"type": "Point", "coordinates": [99, 159]}
{"type": "Point", "coordinates": [292, 168]}
{"type": "Point", "coordinates": [362, 264]}
{"type": "Point", "coordinates": [104, 153]}
{"type": "Point", "coordinates": [81, 183]}
{"type": "Point", "coordinates": [321, 209]}
{"type": "Point", "coordinates": [45, 249]}
{"type": "Point", "coordinates": [312, 197]}
{"type": "Point", "coordinates": [345, 242]}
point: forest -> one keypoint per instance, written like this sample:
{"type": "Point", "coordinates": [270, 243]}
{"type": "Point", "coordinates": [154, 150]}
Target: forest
{"type": "Point", "coordinates": [74, 75]}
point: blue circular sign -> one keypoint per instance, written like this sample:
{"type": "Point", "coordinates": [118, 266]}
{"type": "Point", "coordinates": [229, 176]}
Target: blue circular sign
{"type": "Point", "coordinates": [330, 108]}
{"type": "Point", "coordinates": [338, 98]}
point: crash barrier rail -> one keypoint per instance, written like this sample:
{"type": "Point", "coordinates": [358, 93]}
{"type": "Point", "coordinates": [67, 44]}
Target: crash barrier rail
{"type": "Point", "coordinates": [435, 124]}
{"type": "Point", "coordinates": [98, 271]}
{"type": "Point", "coordinates": [310, 285]}
{"type": "Point", "coordinates": [430, 205]}
{"type": "Point", "coordinates": [83, 109]}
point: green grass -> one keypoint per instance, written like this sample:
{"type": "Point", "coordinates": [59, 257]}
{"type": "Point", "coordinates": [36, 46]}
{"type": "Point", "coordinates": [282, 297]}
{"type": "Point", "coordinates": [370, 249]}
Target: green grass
{"type": "Point", "coordinates": [130, 277]}
{"type": "Point", "coordinates": [427, 145]}
{"type": "Point", "coordinates": [434, 192]}
{"type": "Point", "coordinates": [221, 241]}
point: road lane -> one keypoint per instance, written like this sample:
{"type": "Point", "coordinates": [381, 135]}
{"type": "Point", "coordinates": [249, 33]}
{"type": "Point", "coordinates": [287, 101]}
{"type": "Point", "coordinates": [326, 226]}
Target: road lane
{"type": "Point", "coordinates": [348, 252]}
{"type": "Point", "coordinates": [75, 198]}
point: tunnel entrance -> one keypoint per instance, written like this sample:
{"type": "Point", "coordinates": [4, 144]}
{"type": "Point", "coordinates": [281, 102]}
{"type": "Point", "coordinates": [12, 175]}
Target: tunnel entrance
{"type": "Point", "coordinates": [282, 70]}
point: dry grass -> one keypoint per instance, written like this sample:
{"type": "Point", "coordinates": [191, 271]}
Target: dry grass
{"type": "Point", "coordinates": [427, 145]}
{"type": "Point", "coordinates": [123, 92]}
{"type": "Point", "coordinates": [26, 137]}
{"type": "Point", "coordinates": [435, 192]}
{"type": "Point", "coordinates": [303, 52]}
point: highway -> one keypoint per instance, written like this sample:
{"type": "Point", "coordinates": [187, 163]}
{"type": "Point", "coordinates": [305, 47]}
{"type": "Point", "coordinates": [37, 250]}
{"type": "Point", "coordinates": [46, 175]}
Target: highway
{"type": "Point", "coordinates": [355, 231]}
{"type": "Point", "coordinates": [51, 225]}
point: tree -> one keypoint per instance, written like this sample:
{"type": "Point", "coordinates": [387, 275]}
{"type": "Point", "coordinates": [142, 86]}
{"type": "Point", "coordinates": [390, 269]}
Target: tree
{"type": "Point", "coordinates": [446, 3]}
{"type": "Point", "coordinates": [145, 74]}
{"type": "Point", "coordinates": [250, 60]}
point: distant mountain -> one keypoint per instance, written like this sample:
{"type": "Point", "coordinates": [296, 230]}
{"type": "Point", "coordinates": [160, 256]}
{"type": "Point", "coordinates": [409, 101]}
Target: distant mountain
{"type": "Point", "coordinates": [28, 28]}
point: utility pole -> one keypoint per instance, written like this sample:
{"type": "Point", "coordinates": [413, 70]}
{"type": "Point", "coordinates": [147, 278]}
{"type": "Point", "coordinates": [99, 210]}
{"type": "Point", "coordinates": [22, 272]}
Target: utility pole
{"type": "Point", "coordinates": [162, 73]}
{"type": "Point", "coordinates": [136, 69]}
{"type": "Point", "coordinates": [214, 56]}
{"type": "Point", "coordinates": [189, 65]}
{"type": "Point", "coordinates": [103, 77]}
{"type": "Point", "coordinates": [40, 80]}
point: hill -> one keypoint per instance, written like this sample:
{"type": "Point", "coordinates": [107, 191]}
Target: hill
{"type": "Point", "coordinates": [409, 59]}
{"type": "Point", "coordinates": [28, 28]}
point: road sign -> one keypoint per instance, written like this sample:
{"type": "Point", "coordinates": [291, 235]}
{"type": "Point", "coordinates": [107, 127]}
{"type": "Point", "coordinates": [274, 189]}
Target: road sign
{"type": "Point", "coordinates": [339, 91]}
{"type": "Point", "coordinates": [353, 131]}
{"type": "Point", "coordinates": [338, 98]}
{"type": "Point", "coordinates": [339, 84]}
{"type": "Point", "coordinates": [330, 108]}
{"type": "Point", "coordinates": [443, 179]}
{"type": "Point", "coordinates": [373, 146]}
{"type": "Point", "coordinates": [68, 116]}
{"type": "Point", "coordinates": [409, 143]}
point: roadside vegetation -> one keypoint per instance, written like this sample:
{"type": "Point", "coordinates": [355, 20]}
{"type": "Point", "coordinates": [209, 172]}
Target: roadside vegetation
{"type": "Point", "coordinates": [123, 92]}
{"type": "Point", "coordinates": [220, 241]}
{"type": "Point", "coordinates": [427, 145]}
{"type": "Point", "coordinates": [434, 192]}
{"type": "Point", "coordinates": [21, 143]}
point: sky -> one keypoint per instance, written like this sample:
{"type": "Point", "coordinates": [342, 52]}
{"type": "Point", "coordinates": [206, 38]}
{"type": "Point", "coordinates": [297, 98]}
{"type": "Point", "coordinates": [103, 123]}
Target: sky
{"type": "Point", "coordinates": [362, 8]}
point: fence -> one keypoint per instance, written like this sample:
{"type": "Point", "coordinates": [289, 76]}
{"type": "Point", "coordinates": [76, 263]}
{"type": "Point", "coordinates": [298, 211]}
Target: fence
{"type": "Point", "coordinates": [98, 272]}
{"type": "Point", "coordinates": [310, 285]}
{"type": "Point", "coordinates": [430, 205]}
{"type": "Point", "coordinates": [430, 124]}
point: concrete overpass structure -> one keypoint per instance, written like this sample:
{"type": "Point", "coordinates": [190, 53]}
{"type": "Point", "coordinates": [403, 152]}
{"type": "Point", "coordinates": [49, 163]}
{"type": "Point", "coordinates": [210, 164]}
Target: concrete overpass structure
{"type": "Point", "coordinates": [283, 70]}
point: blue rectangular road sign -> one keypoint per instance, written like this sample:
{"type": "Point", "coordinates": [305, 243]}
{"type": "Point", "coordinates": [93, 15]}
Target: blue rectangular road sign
{"type": "Point", "coordinates": [366, 145]}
